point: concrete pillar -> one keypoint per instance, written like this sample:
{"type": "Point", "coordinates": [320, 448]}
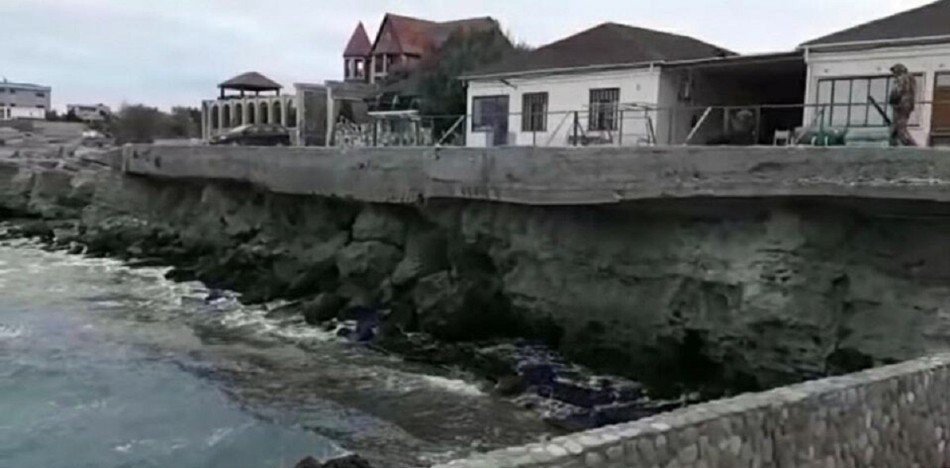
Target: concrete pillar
{"type": "Point", "coordinates": [284, 108]}
{"type": "Point", "coordinates": [205, 109]}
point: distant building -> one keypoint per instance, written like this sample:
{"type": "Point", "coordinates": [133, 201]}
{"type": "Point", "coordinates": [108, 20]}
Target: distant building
{"type": "Point", "coordinates": [401, 43]}
{"type": "Point", "coordinates": [241, 102]}
{"type": "Point", "coordinates": [89, 112]}
{"type": "Point", "coordinates": [23, 100]}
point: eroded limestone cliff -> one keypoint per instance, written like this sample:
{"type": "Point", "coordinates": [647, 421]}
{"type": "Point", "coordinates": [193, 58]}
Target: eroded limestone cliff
{"type": "Point", "coordinates": [705, 292]}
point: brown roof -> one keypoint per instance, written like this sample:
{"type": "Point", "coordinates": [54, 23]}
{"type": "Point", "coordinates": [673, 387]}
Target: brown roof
{"type": "Point", "coordinates": [251, 81]}
{"type": "Point", "coordinates": [927, 21]}
{"type": "Point", "coordinates": [607, 44]}
{"type": "Point", "coordinates": [416, 36]}
{"type": "Point", "coordinates": [359, 45]}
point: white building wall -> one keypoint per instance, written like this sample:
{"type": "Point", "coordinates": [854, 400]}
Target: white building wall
{"type": "Point", "coordinates": [567, 93]}
{"type": "Point", "coordinates": [926, 59]}
{"type": "Point", "coordinates": [15, 112]}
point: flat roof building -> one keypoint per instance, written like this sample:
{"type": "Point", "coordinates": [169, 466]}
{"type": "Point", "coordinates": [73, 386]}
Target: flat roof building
{"type": "Point", "coordinates": [24, 100]}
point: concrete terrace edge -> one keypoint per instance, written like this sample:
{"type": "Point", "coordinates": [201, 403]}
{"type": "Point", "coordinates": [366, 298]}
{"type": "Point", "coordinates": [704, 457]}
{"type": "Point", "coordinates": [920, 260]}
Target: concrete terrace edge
{"type": "Point", "coordinates": [888, 416]}
{"type": "Point", "coordinates": [558, 176]}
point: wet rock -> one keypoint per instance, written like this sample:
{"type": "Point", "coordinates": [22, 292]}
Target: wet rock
{"type": "Point", "coordinates": [214, 295]}
{"type": "Point", "coordinates": [324, 307]}
{"type": "Point", "coordinates": [308, 462]}
{"type": "Point", "coordinates": [40, 229]}
{"type": "Point", "coordinates": [367, 321]}
{"type": "Point", "coordinates": [348, 461]}
{"type": "Point", "coordinates": [510, 385]}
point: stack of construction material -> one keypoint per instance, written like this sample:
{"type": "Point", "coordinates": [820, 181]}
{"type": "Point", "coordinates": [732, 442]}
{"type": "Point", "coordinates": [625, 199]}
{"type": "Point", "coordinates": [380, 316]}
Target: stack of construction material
{"type": "Point", "coordinates": [877, 137]}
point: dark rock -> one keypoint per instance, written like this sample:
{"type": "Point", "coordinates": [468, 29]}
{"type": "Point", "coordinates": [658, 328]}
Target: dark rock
{"type": "Point", "coordinates": [39, 229]}
{"type": "Point", "coordinates": [286, 311]}
{"type": "Point", "coordinates": [367, 321]}
{"type": "Point", "coordinates": [510, 385]}
{"type": "Point", "coordinates": [367, 263]}
{"type": "Point", "coordinates": [324, 307]}
{"type": "Point", "coordinates": [380, 224]}
{"type": "Point", "coordinates": [308, 462]}
{"type": "Point", "coordinates": [349, 461]}
{"type": "Point", "coordinates": [214, 295]}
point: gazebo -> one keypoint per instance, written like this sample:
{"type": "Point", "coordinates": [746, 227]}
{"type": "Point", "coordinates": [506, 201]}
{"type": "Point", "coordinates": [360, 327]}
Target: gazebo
{"type": "Point", "coordinates": [250, 81]}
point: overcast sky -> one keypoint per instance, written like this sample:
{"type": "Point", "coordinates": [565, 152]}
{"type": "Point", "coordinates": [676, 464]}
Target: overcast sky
{"type": "Point", "coordinates": [174, 52]}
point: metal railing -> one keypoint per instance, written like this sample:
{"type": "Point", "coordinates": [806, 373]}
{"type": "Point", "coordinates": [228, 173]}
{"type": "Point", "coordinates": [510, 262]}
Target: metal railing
{"type": "Point", "coordinates": [645, 125]}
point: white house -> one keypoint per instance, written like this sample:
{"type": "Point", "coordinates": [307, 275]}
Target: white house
{"type": "Point", "coordinates": [89, 112]}
{"type": "Point", "coordinates": [850, 68]}
{"type": "Point", "coordinates": [24, 100]}
{"type": "Point", "coordinates": [621, 85]}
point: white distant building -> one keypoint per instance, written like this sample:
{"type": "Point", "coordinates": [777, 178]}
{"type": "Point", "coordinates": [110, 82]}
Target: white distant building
{"type": "Point", "coordinates": [850, 68]}
{"type": "Point", "coordinates": [89, 112]}
{"type": "Point", "coordinates": [23, 100]}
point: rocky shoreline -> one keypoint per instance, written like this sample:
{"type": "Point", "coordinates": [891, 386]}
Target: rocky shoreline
{"type": "Point", "coordinates": [381, 276]}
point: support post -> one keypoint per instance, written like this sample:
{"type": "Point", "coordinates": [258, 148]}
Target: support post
{"type": "Point", "coordinates": [620, 130]}
{"type": "Point", "coordinates": [576, 123]}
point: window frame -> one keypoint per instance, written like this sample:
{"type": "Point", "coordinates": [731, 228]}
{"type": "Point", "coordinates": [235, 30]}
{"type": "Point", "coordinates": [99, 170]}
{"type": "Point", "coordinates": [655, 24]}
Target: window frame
{"type": "Point", "coordinates": [478, 115]}
{"type": "Point", "coordinates": [532, 119]}
{"type": "Point", "coordinates": [601, 117]}
{"type": "Point", "coordinates": [833, 105]}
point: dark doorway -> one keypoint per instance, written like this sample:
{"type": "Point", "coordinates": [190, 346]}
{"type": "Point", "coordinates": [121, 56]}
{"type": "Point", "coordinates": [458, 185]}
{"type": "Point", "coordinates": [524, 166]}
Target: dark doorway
{"type": "Point", "coordinates": [490, 114]}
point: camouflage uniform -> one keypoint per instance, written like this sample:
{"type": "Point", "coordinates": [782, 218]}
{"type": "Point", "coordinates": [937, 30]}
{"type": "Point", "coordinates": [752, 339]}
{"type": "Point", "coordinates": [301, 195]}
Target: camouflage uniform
{"type": "Point", "coordinates": [902, 99]}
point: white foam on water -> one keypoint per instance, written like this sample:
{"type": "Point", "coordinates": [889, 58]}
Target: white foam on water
{"type": "Point", "coordinates": [9, 332]}
{"type": "Point", "coordinates": [457, 386]}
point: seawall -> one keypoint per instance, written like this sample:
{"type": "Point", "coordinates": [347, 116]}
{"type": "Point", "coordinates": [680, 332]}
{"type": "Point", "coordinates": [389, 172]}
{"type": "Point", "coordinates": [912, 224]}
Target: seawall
{"type": "Point", "coordinates": [560, 176]}
{"type": "Point", "coordinates": [894, 416]}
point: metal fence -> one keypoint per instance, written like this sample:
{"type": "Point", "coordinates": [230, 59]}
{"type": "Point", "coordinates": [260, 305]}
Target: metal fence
{"type": "Point", "coordinates": [644, 125]}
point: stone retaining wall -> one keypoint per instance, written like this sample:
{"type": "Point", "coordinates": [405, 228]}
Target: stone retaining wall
{"type": "Point", "coordinates": [895, 416]}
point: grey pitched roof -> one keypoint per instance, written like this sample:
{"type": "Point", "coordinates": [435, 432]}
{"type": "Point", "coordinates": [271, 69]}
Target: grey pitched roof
{"type": "Point", "coordinates": [927, 21]}
{"type": "Point", "coordinates": [606, 44]}
{"type": "Point", "coordinates": [251, 81]}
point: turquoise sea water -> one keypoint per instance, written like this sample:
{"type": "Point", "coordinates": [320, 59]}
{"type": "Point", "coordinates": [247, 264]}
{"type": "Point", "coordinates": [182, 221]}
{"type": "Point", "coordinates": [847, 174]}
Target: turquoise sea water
{"type": "Point", "coordinates": [102, 365]}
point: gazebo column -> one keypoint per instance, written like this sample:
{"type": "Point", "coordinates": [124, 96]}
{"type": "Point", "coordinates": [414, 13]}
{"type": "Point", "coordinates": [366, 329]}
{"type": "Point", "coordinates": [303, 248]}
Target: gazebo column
{"type": "Point", "coordinates": [284, 105]}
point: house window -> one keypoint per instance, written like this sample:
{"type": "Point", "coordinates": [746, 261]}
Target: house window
{"type": "Point", "coordinates": [40, 94]}
{"type": "Point", "coordinates": [604, 105]}
{"type": "Point", "coordinates": [360, 71]}
{"type": "Point", "coordinates": [488, 110]}
{"type": "Point", "coordinates": [534, 112]}
{"type": "Point", "coordinates": [847, 102]}
{"type": "Point", "coordinates": [378, 63]}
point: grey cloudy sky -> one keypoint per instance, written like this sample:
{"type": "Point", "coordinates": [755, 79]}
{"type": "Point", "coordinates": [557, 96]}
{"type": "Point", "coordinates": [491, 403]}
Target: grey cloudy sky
{"type": "Point", "coordinates": [174, 52]}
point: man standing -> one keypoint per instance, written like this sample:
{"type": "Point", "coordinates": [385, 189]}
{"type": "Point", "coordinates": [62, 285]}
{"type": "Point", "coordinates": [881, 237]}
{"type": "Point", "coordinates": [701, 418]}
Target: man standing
{"type": "Point", "coordinates": [903, 95]}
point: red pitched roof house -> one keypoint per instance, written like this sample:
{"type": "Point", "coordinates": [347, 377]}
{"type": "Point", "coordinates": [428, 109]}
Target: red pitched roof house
{"type": "Point", "coordinates": [356, 54]}
{"type": "Point", "coordinates": [401, 41]}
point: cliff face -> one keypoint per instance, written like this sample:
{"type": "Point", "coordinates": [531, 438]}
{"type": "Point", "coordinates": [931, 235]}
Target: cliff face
{"type": "Point", "coordinates": [741, 293]}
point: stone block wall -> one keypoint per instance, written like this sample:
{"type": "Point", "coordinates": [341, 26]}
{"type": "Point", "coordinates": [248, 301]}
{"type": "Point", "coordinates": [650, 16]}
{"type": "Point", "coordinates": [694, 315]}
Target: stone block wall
{"type": "Point", "coordinates": [894, 416]}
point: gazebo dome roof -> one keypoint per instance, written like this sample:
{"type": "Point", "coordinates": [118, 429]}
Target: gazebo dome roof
{"type": "Point", "coordinates": [251, 81]}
